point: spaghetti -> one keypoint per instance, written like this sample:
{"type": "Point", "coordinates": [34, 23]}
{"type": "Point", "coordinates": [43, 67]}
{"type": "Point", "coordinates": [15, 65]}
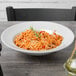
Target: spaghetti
{"type": "Point", "coordinates": [37, 40]}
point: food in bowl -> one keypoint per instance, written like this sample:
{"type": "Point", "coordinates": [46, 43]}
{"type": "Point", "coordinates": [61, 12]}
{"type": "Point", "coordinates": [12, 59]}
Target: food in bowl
{"type": "Point", "coordinates": [37, 40]}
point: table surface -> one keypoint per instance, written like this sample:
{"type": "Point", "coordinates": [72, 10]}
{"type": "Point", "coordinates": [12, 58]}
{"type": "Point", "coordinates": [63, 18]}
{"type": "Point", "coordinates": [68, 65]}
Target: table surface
{"type": "Point", "coordinates": [15, 63]}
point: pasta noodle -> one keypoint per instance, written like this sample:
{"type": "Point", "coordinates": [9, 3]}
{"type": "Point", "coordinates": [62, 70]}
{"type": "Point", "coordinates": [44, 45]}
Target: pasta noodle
{"type": "Point", "coordinates": [37, 40]}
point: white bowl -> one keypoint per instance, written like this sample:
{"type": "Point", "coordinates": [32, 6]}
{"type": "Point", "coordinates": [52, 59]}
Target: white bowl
{"type": "Point", "coordinates": [8, 35]}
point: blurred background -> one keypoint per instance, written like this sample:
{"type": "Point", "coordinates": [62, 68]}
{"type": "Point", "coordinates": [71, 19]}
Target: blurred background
{"type": "Point", "coordinates": [34, 4]}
